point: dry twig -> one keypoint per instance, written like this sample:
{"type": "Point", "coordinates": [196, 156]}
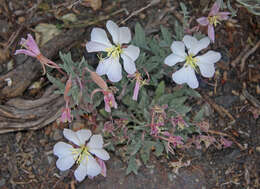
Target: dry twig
{"type": "Point", "coordinates": [243, 61]}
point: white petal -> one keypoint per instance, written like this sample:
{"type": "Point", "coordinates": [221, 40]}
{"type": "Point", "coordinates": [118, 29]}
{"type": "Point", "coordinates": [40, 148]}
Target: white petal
{"type": "Point", "coordinates": [65, 163]}
{"type": "Point", "coordinates": [83, 135]}
{"type": "Point", "coordinates": [189, 41]}
{"type": "Point", "coordinates": [132, 51]}
{"type": "Point", "coordinates": [114, 71]}
{"type": "Point", "coordinates": [99, 35]}
{"type": "Point", "coordinates": [178, 48]}
{"type": "Point", "coordinates": [96, 141]}
{"type": "Point", "coordinates": [193, 45]}
{"type": "Point", "coordinates": [93, 46]}
{"type": "Point", "coordinates": [103, 66]}
{"type": "Point", "coordinates": [81, 172]}
{"type": "Point", "coordinates": [129, 64]}
{"type": "Point", "coordinates": [186, 75]}
{"type": "Point", "coordinates": [100, 153]}
{"type": "Point", "coordinates": [93, 168]}
{"type": "Point", "coordinates": [124, 35]}
{"type": "Point", "coordinates": [113, 29]}
{"type": "Point", "coordinates": [173, 59]}
{"type": "Point", "coordinates": [72, 136]}
{"type": "Point", "coordinates": [62, 149]}
{"type": "Point", "coordinates": [206, 63]}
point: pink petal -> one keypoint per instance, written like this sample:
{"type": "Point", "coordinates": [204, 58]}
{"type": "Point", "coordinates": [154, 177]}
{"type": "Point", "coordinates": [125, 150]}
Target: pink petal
{"type": "Point", "coordinates": [136, 90]}
{"type": "Point", "coordinates": [214, 10]}
{"type": "Point", "coordinates": [32, 44]}
{"type": "Point", "coordinates": [223, 15]}
{"type": "Point", "coordinates": [203, 21]}
{"type": "Point", "coordinates": [211, 33]}
{"type": "Point", "coordinates": [26, 52]}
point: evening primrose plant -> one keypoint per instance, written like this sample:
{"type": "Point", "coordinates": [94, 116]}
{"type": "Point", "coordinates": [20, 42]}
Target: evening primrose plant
{"type": "Point", "coordinates": [141, 111]}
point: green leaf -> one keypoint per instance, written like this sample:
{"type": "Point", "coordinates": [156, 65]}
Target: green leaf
{"type": "Point", "coordinates": [132, 166]}
{"type": "Point", "coordinates": [56, 82]}
{"type": "Point", "coordinates": [167, 36]}
{"type": "Point", "coordinates": [134, 147]}
{"type": "Point", "coordinates": [120, 114]}
{"type": "Point", "coordinates": [159, 147]}
{"type": "Point", "coordinates": [178, 101]}
{"type": "Point", "coordinates": [199, 115]}
{"type": "Point", "coordinates": [160, 90]}
{"type": "Point", "coordinates": [139, 38]}
{"type": "Point", "coordinates": [146, 149]}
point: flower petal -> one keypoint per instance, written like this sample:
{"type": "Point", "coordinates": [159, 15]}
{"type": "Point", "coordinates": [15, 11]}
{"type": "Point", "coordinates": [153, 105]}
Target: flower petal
{"type": "Point", "coordinates": [32, 44]}
{"type": "Point", "coordinates": [193, 45]}
{"type": "Point", "coordinates": [99, 35]}
{"type": "Point", "coordinates": [214, 10]}
{"type": "Point", "coordinates": [203, 21]}
{"type": "Point", "coordinates": [124, 35]}
{"type": "Point", "coordinates": [62, 149]}
{"type": "Point", "coordinates": [114, 71]}
{"type": "Point", "coordinates": [93, 168]}
{"type": "Point", "coordinates": [96, 141]}
{"type": "Point", "coordinates": [206, 63]}
{"type": "Point", "coordinates": [129, 64]}
{"type": "Point", "coordinates": [103, 66]}
{"type": "Point", "coordinates": [224, 15]}
{"type": "Point", "coordinates": [26, 52]}
{"type": "Point", "coordinates": [211, 33]}
{"type": "Point", "coordinates": [100, 153]}
{"type": "Point", "coordinates": [113, 29]}
{"type": "Point", "coordinates": [65, 162]}
{"type": "Point", "coordinates": [81, 172]}
{"type": "Point", "coordinates": [83, 135]}
{"type": "Point", "coordinates": [72, 136]}
{"type": "Point", "coordinates": [93, 46]}
{"type": "Point", "coordinates": [186, 75]}
{"type": "Point", "coordinates": [178, 48]}
{"type": "Point", "coordinates": [132, 51]}
{"type": "Point", "coordinates": [173, 59]}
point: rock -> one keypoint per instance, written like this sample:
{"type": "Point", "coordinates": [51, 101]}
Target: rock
{"type": "Point", "coordinates": [50, 159]}
{"type": "Point", "coordinates": [57, 135]}
{"type": "Point", "coordinates": [257, 149]}
{"type": "Point", "coordinates": [2, 182]}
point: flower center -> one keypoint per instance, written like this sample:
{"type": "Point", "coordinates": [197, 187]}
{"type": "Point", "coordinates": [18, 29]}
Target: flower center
{"type": "Point", "coordinates": [213, 20]}
{"type": "Point", "coordinates": [114, 51]}
{"type": "Point", "coordinates": [192, 61]}
{"type": "Point", "coordinates": [80, 153]}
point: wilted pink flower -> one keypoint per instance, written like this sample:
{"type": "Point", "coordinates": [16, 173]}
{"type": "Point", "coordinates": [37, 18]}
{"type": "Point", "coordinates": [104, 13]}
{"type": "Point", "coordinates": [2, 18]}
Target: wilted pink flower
{"type": "Point", "coordinates": [109, 100]}
{"type": "Point", "coordinates": [213, 19]}
{"type": "Point", "coordinates": [66, 113]}
{"type": "Point", "coordinates": [174, 140]}
{"type": "Point", "coordinates": [139, 83]}
{"type": "Point", "coordinates": [103, 166]}
{"type": "Point", "coordinates": [226, 143]}
{"type": "Point", "coordinates": [32, 49]}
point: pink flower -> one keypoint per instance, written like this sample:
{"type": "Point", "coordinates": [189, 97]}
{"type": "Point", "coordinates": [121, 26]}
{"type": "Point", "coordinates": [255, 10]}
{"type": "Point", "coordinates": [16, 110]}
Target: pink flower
{"type": "Point", "coordinates": [226, 143]}
{"type": "Point", "coordinates": [66, 113]}
{"type": "Point", "coordinates": [213, 19]}
{"type": "Point", "coordinates": [102, 166]}
{"type": "Point", "coordinates": [32, 49]}
{"type": "Point", "coordinates": [109, 100]}
{"type": "Point", "coordinates": [139, 82]}
{"type": "Point", "coordinates": [174, 140]}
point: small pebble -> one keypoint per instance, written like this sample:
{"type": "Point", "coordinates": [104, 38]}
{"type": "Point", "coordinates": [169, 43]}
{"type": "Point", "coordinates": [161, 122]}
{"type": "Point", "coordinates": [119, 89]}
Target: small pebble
{"type": "Point", "coordinates": [258, 149]}
{"type": "Point", "coordinates": [57, 135]}
{"type": "Point", "coordinates": [2, 182]}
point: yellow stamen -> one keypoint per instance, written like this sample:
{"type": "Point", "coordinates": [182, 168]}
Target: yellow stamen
{"type": "Point", "coordinates": [80, 154]}
{"type": "Point", "coordinates": [191, 61]}
{"type": "Point", "coordinates": [213, 20]}
{"type": "Point", "coordinates": [114, 51]}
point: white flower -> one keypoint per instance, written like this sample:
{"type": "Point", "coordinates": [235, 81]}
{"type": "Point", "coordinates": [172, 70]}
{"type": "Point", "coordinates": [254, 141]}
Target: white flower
{"type": "Point", "coordinates": [110, 65]}
{"type": "Point", "coordinates": [82, 155]}
{"type": "Point", "coordinates": [205, 62]}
